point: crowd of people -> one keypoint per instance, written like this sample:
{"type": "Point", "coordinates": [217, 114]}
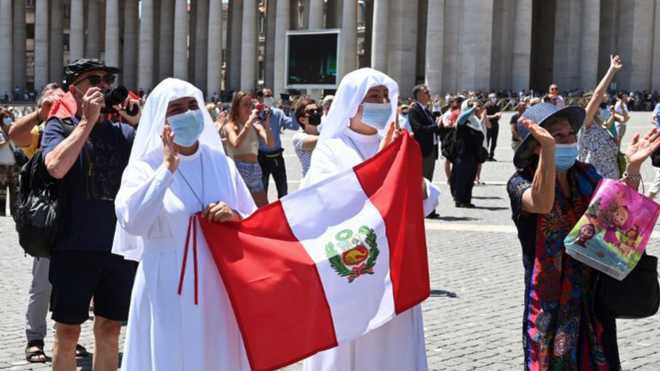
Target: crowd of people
{"type": "Point", "coordinates": [131, 176]}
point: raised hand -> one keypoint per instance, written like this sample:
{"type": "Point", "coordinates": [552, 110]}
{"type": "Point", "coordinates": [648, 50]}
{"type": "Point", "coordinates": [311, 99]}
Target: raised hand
{"type": "Point", "coordinates": [545, 139]}
{"type": "Point", "coordinates": [615, 62]}
{"type": "Point", "coordinates": [47, 104]}
{"type": "Point", "coordinates": [641, 149]}
{"type": "Point", "coordinates": [392, 132]}
{"type": "Point", "coordinates": [93, 101]}
{"type": "Point", "coordinates": [170, 153]}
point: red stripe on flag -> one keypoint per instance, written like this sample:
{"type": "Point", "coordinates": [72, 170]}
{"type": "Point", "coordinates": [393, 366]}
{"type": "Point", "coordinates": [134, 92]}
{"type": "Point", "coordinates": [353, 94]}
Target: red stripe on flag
{"type": "Point", "coordinates": [393, 182]}
{"type": "Point", "coordinates": [274, 287]}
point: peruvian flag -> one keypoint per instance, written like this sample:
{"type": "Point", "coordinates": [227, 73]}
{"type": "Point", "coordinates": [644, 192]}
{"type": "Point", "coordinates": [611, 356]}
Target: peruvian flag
{"type": "Point", "coordinates": [328, 263]}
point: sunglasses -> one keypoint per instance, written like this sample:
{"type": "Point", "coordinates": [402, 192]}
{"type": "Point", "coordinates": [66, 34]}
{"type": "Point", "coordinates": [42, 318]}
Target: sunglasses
{"type": "Point", "coordinates": [95, 80]}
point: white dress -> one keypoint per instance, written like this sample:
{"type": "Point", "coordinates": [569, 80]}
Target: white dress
{"type": "Point", "coordinates": [399, 344]}
{"type": "Point", "coordinates": [167, 331]}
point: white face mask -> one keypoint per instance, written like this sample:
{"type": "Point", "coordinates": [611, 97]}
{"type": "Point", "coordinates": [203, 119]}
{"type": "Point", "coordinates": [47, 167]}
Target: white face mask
{"type": "Point", "coordinates": [7, 120]}
{"type": "Point", "coordinates": [376, 115]}
{"type": "Point", "coordinates": [269, 101]}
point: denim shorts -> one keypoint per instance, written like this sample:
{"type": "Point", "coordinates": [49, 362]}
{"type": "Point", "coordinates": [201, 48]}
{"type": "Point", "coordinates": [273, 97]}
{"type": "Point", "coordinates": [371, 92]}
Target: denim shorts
{"type": "Point", "coordinates": [251, 174]}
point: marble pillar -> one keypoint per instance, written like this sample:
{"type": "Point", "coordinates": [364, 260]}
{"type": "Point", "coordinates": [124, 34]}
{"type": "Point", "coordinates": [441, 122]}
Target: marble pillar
{"type": "Point", "coordinates": [93, 41]}
{"type": "Point", "coordinates": [642, 45]}
{"type": "Point", "coordinates": [112, 34]}
{"type": "Point", "coordinates": [269, 57]}
{"type": "Point", "coordinates": [235, 28]}
{"type": "Point", "coordinates": [402, 45]}
{"type": "Point", "coordinates": [214, 63]}
{"type": "Point", "coordinates": [180, 67]}
{"type": "Point", "coordinates": [76, 30]}
{"type": "Point", "coordinates": [201, 43]}
{"type": "Point", "coordinates": [6, 41]}
{"type": "Point", "coordinates": [315, 14]}
{"type": "Point", "coordinates": [146, 51]}
{"type": "Point", "coordinates": [282, 24]}
{"type": "Point", "coordinates": [348, 37]}
{"type": "Point", "coordinates": [380, 34]}
{"type": "Point", "coordinates": [130, 47]}
{"type": "Point", "coordinates": [566, 64]}
{"type": "Point", "coordinates": [589, 44]}
{"type": "Point", "coordinates": [249, 46]}
{"type": "Point", "coordinates": [166, 39]}
{"type": "Point", "coordinates": [56, 42]}
{"type": "Point", "coordinates": [522, 46]}
{"type": "Point", "coordinates": [41, 44]}
{"type": "Point", "coordinates": [19, 43]}
{"type": "Point", "coordinates": [655, 79]}
{"type": "Point", "coordinates": [434, 45]}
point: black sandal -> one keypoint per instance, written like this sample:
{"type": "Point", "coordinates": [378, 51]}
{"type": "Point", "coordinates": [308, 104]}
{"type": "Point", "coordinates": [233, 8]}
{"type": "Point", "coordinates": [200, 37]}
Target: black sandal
{"type": "Point", "coordinates": [81, 351]}
{"type": "Point", "coordinates": [34, 352]}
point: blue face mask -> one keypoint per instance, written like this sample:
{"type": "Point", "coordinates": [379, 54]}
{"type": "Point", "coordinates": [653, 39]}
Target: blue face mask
{"type": "Point", "coordinates": [376, 115]}
{"type": "Point", "coordinates": [187, 127]}
{"type": "Point", "coordinates": [565, 156]}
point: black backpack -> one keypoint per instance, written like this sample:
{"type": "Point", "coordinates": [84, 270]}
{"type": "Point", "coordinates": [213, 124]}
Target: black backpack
{"type": "Point", "coordinates": [38, 205]}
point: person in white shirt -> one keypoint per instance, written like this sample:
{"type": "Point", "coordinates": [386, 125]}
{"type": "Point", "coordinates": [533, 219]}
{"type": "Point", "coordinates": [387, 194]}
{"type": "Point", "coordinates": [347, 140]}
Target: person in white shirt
{"type": "Point", "coordinates": [556, 99]}
{"type": "Point", "coordinates": [308, 114]}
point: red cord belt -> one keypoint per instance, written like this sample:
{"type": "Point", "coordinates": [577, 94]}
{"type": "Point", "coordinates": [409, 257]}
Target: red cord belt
{"type": "Point", "coordinates": [192, 226]}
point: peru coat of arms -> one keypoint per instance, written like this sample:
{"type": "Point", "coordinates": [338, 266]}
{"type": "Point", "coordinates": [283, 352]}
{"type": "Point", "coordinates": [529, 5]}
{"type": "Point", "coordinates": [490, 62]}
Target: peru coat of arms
{"type": "Point", "coordinates": [353, 254]}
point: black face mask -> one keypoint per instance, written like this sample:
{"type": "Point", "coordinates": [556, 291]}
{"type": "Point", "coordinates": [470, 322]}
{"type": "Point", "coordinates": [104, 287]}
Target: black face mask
{"type": "Point", "coordinates": [314, 118]}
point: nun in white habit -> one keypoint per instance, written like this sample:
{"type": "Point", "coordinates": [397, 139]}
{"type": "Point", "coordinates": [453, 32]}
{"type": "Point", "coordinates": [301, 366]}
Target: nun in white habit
{"type": "Point", "coordinates": [366, 101]}
{"type": "Point", "coordinates": [180, 316]}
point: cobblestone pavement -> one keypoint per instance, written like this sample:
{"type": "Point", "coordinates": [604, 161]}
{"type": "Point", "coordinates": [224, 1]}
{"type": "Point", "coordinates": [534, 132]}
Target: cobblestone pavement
{"type": "Point", "coordinates": [473, 317]}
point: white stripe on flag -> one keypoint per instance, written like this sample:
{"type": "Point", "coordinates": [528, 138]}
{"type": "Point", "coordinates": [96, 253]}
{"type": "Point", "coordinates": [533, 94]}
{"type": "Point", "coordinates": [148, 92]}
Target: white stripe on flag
{"type": "Point", "coordinates": [318, 216]}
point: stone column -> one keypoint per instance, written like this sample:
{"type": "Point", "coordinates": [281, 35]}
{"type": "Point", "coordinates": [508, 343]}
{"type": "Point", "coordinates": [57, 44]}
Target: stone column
{"type": "Point", "coordinates": [234, 43]}
{"type": "Point", "coordinates": [130, 50]}
{"type": "Point", "coordinates": [590, 43]}
{"type": "Point", "coordinates": [331, 13]}
{"type": "Point", "coordinates": [19, 43]}
{"type": "Point", "coordinates": [112, 32]}
{"type": "Point", "coordinates": [379, 38]}
{"type": "Point", "coordinates": [201, 43]}
{"type": "Point", "coordinates": [348, 36]}
{"type": "Point", "coordinates": [282, 24]}
{"type": "Point", "coordinates": [475, 46]}
{"type": "Point", "coordinates": [93, 45]}
{"type": "Point", "coordinates": [40, 44]}
{"type": "Point", "coordinates": [6, 41]}
{"type": "Point", "coordinates": [181, 40]}
{"type": "Point", "coordinates": [402, 47]}
{"type": "Point", "coordinates": [642, 45]}
{"type": "Point", "coordinates": [249, 47]}
{"type": "Point", "coordinates": [146, 51]}
{"type": "Point", "coordinates": [214, 64]}
{"type": "Point", "coordinates": [435, 45]}
{"type": "Point", "coordinates": [655, 79]}
{"type": "Point", "coordinates": [567, 44]}
{"type": "Point", "coordinates": [269, 57]}
{"type": "Point", "coordinates": [76, 31]}
{"type": "Point", "coordinates": [56, 48]}
{"type": "Point", "coordinates": [522, 45]}
{"type": "Point", "coordinates": [315, 14]}
{"type": "Point", "coordinates": [166, 39]}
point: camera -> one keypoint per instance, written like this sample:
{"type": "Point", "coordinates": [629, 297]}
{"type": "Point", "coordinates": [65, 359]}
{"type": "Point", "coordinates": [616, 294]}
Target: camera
{"type": "Point", "coordinates": [117, 96]}
{"type": "Point", "coordinates": [262, 111]}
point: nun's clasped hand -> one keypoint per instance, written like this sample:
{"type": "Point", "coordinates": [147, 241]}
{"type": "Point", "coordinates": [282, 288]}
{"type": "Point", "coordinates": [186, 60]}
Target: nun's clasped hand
{"type": "Point", "coordinates": [220, 212]}
{"type": "Point", "coordinates": [170, 154]}
{"type": "Point", "coordinates": [392, 132]}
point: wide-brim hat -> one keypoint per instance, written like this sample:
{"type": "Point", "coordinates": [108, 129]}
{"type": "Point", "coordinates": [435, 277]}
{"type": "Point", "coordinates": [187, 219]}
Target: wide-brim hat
{"type": "Point", "coordinates": [78, 67]}
{"type": "Point", "coordinates": [542, 114]}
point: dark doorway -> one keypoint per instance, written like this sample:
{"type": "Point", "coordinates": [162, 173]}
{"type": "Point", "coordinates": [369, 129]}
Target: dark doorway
{"type": "Point", "coordinates": [543, 44]}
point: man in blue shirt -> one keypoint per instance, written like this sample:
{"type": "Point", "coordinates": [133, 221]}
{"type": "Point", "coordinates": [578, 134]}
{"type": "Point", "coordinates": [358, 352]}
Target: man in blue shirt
{"type": "Point", "coordinates": [88, 155]}
{"type": "Point", "coordinates": [270, 158]}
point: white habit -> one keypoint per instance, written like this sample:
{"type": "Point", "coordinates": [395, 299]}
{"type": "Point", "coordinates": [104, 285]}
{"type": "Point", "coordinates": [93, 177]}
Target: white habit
{"type": "Point", "coordinates": [399, 344]}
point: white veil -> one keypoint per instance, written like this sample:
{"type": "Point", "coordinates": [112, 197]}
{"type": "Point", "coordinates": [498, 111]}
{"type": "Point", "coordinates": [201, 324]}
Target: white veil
{"type": "Point", "coordinates": [147, 141]}
{"type": "Point", "coordinates": [350, 93]}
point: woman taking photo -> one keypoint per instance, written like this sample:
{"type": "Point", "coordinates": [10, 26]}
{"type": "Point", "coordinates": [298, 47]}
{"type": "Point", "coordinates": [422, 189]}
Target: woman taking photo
{"type": "Point", "coordinates": [244, 131]}
{"type": "Point", "coordinates": [550, 191]}
{"type": "Point", "coordinates": [176, 171]}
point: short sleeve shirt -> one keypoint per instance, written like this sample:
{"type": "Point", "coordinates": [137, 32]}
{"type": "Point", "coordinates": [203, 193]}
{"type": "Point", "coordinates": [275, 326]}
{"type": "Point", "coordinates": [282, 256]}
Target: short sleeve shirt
{"type": "Point", "coordinates": [304, 155]}
{"type": "Point", "coordinates": [90, 186]}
